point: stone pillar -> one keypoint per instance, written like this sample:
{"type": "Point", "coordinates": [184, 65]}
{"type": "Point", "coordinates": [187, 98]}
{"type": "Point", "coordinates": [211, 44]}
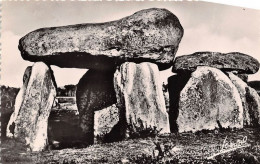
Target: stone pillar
{"type": "Point", "coordinates": [241, 87]}
{"type": "Point", "coordinates": [253, 102]}
{"type": "Point", "coordinates": [95, 92]}
{"type": "Point", "coordinates": [31, 123]}
{"type": "Point", "coordinates": [250, 100]}
{"type": "Point", "coordinates": [209, 100]}
{"type": "Point", "coordinates": [18, 102]}
{"type": "Point", "coordinates": [140, 98]}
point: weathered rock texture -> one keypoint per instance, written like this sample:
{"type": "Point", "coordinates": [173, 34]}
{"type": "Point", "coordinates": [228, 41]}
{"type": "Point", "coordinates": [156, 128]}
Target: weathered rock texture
{"type": "Point", "coordinates": [140, 98]}
{"type": "Point", "coordinates": [209, 100]}
{"type": "Point", "coordinates": [175, 85]}
{"type": "Point", "coordinates": [151, 35]}
{"type": "Point", "coordinates": [18, 102]}
{"type": "Point", "coordinates": [32, 119]}
{"type": "Point", "coordinates": [233, 61]}
{"type": "Point", "coordinates": [244, 77]}
{"type": "Point", "coordinates": [250, 100]}
{"type": "Point", "coordinates": [241, 87]}
{"type": "Point", "coordinates": [253, 101]}
{"type": "Point", "coordinates": [95, 91]}
{"type": "Point", "coordinates": [105, 120]}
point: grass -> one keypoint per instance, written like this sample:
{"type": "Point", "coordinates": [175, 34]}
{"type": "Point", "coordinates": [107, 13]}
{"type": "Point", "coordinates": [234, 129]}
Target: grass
{"type": "Point", "coordinates": [184, 148]}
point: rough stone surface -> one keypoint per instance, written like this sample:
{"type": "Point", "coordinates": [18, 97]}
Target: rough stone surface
{"type": "Point", "coordinates": [150, 35]}
{"type": "Point", "coordinates": [18, 102]}
{"type": "Point", "coordinates": [167, 100]}
{"type": "Point", "coordinates": [140, 98]}
{"type": "Point", "coordinates": [241, 87]}
{"type": "Point", "coordinates": [244, 77]}
{"type": "Point", "coordinates": [253, 101]}
{"type": "Point", "coordinates": [250, 100]}
{"type": "Point", "coordinates": [233, 61]}
{"type": "Point", "coordinates": [105, 120]}
{"type": "Point", "coordinates": [32, 120]}
{"type": "Point", "coordinates": [95, 91]}
{"type": "Point", "coordinates": [209, 100]}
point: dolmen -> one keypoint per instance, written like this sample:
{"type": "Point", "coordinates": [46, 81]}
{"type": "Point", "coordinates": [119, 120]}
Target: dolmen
{"type": "Point", "coordinates": [123, 57]}
{"type": "Point", "coordinates": [207, 92]}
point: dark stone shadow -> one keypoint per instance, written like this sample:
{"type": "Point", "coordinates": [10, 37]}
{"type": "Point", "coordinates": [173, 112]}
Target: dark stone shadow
{"type": "Point", "coordinates": [175, 85]}
{"type": "Point", "coordinates": [64, 130]}
{"type": "Point", "coordinates": [114, 135]}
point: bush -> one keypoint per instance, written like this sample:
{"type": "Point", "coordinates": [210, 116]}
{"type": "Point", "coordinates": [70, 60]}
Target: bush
{"type": "Point", "coordinates": [141, 131]}
{"type": "Point", "coordinates": [161, 154]}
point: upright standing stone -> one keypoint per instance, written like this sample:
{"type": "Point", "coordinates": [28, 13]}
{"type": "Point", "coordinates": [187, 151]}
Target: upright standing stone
{"type": "Point", "coordinates": [250, 100]}
{"type": "Point", "coordinates": [140, 97]}
{"type": "Point", "coordinates": [208, 101]}
{"type": "Point", "coordinates": [241, 87]}
{"type": "Point", "coordinates": [253, 102]}
{"type": "Point", "coordinates": [32, 119]}
{"type": "Point", "coordinates": [18, 102]}
{"type": "Point", "coordinates": [95, 91]}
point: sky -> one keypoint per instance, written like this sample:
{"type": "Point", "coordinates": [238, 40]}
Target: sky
{"type": "Point", "coordinates": [207, 27]}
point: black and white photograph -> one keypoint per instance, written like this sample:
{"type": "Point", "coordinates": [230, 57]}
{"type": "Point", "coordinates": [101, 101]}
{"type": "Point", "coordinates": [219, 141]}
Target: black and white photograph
{"type": "Point", "coordinates": [145, 82]}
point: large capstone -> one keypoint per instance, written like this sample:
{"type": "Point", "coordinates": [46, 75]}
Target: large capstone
{"type": "Point", "coordinates": [150, 35]}
{"type": "Point", "coordinates": [95, 92]}
{"type": "Point", "coordinates": [140, 98]}
{"type": "Point", "coordinates": [209, 100]}
{"type": "Point", "coordinates": [32, 118]}
{"type": "Point", "coordinates": [233, 61]}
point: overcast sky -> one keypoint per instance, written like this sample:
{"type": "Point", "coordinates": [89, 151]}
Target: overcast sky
{"type": "Point", "coordinates": [207, 27]}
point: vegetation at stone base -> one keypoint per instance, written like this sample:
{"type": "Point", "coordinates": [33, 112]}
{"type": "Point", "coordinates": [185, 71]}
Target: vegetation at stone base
{"type": "Point", "coordinates": [133, 132]}
{"type": "Point", "coordinates": [141, 131]}
{"type": "Point", "coordinates": [182, 148]}
{"type": "Point", "coordinates": [144, 132]}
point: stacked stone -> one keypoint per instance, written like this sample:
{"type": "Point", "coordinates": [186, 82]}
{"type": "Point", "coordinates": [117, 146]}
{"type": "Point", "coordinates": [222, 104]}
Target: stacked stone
{"type": "Point", "coordinates": [208, 92]}
{"type": "Point", "coordinates": [124, 58]}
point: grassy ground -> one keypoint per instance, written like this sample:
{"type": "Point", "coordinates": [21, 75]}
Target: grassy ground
{"type": "Point", "coordinates": [181, 148]}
